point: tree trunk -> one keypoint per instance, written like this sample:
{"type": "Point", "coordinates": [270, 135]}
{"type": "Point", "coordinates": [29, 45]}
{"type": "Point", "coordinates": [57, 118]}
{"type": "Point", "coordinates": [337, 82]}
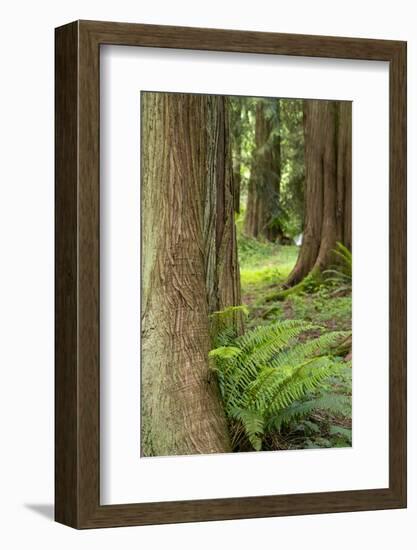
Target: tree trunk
{"type": "Point", "coordinates": [262, 210]}
{"type": "Point", "coordinates": [236, 147]}
{"type": "Point", "coordinates": [344, 174]}
{"type": "Point", "coordinates": [328, 185]}
{"type": "Point", "coordinates": [220, 249]}
{"type": "Point", "coordinates": [189, 268]}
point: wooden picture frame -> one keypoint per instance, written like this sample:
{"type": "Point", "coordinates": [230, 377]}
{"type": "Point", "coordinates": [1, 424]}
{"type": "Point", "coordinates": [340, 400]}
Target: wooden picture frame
{"type": "Point", "coordinates": [77, 382]}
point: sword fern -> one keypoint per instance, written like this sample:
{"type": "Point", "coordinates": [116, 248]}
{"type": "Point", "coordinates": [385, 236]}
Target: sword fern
{"type": "Point", "coordinates": [265, 374]}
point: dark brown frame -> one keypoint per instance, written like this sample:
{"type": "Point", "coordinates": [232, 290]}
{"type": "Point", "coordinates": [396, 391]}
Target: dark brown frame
{"type": "Point", "coordinates": [77, 403]}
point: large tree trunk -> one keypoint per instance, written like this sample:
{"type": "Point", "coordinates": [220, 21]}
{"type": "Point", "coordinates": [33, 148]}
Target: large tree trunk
{"type": "Point", "coordinates": [262, 210]}
{"type": "Point", "coordinates": [189, 269]}
{"type": "Point", "coordinates": [328, 185]}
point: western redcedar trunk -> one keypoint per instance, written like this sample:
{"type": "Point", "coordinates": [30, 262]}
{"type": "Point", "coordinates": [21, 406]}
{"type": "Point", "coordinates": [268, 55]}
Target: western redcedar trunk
{"type": "Point", "coordinates": [236, 147]}
{"type": "Point", "coordinates": [189, 269]}
{"type": "Point", "coordinates": [262, 210]}
{"type": "Point", "coordinates": [328, 185]}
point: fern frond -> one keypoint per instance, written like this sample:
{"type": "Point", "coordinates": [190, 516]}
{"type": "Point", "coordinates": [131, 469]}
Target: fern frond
{"type": "Point", "coordinates": [225, 313]}
{"type": "Point", "coordinates": [346, 433]}
{"type": "Point", "coordinates": [225, 352]}
{"type": "Point", "coordinates": [282, 332]}
{"type": "Point", "coordinates": [224, 324]}
{"type": "Point", "coordinates": [323, 344]}
{"type": "Point", "coordinates": [225, 336]}
{"type": "Point", "coordinates": [265, 374]}
{"type": "Point", "coordinates": [338, 275]}
{"type": "Point", "coordinates": [333, 403]}
{"type": "Point", "coordinates": [253, 424]}
{"type": "Point", "coordinates": [343, 271]}
{"type": "Point", "coordinates": [304, 378]}
{"type": "Point", "coordinates": [344, 254]}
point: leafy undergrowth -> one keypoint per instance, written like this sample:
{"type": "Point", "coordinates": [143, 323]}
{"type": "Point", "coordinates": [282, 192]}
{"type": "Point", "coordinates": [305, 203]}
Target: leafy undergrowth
{"type": "Point", "coordinates": [329, 424]}
{"type": "Point", "coordinates": [264, 267]}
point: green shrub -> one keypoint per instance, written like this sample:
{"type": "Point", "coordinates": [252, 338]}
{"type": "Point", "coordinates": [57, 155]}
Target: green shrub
{"type": "Point", "coordinates": [265, 374]}
{"type": "Point", "coordinates": [341, 273]}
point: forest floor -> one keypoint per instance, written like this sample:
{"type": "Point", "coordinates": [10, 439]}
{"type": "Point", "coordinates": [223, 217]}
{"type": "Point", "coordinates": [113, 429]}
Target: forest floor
{"type": "Point", "coordinates": [264, 267]}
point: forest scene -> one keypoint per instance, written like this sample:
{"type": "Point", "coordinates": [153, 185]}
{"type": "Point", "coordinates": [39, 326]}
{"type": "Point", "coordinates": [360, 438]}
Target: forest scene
{"type": "Point", "coordinates": [246, 274]}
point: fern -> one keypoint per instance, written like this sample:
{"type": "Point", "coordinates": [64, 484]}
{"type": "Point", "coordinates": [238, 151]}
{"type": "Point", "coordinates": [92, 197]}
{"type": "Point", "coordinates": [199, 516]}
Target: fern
{"type": "Point", "coordinates": [264, 375]}
{"type": "Point", "coordinates": [343, 433]}
{"type": "Point", "coordinates": [342, 273]}
{"type": "Point", "coordinates": [226, 324]}
{"type": "Point", "coordinates": [333, 403]}
{"type": "Point", "coordinates": [253, 424]}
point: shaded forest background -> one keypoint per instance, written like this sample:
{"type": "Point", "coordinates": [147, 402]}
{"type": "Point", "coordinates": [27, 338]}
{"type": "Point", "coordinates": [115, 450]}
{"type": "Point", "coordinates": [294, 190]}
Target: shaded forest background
{"type": "Point", "coordinates": [246, 274]}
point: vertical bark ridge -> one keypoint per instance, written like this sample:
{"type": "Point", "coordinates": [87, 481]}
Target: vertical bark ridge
{"type": "Point", "coordinates": [181, 408]}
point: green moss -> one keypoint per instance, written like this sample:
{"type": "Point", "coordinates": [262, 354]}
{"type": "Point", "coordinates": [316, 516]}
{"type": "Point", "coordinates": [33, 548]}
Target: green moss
{"type": "Point", "coordinates": [323, 308]}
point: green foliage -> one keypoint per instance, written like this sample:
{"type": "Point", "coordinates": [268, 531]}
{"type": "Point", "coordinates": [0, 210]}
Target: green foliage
{"type": "Point", "coordinates": [321, 419]}
{"type": "Point", "coordinates": [341, 273]}
{"type": "Point", "coordinates": [254, 253]}
{"type": "Point", "coordinates": [266, 371]}
{"type": "Point", "coordinates": [264, 276]}
{"type": "Point", "coordinates": [267, 403]}
{"type": "Point", "coordinates": [223, 323]}
{"type": "Point", "coordinates": [344, 433]}
{"type": "Point", "coordinates": [311, 283]}
{"type": "Point", "coordinates": [334, 403]}
{"type": "Point", "coordinates": [225, 317]}
{"type": "Point", "coordinates": [322, 308]}
{"type": "Point", "coordinates": [262, 263]}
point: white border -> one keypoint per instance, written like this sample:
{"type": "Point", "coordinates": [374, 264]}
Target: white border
{"type": "Point", "coordinates": [124, 476]}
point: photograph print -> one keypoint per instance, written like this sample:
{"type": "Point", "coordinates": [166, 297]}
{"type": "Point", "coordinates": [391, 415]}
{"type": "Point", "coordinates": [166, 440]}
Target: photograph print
{"type": "Point", "coordinates": [246, 274]}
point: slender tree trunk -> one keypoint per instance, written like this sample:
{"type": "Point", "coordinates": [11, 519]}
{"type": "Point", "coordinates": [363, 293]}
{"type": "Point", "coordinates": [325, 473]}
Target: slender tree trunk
{"type": "Point", "coordinates": [328, 185]}
{"type": "Point", "coordinates": [262, 210]}
{"type": "Point", "coordinates": [189, 268]}
{"type": "Point", "coordinates": [344, 174]}
{"type": "Point", "coordinates": [236, 147]}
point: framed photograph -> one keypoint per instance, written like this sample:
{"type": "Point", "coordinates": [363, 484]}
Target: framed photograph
{"type": "Point", "coordinates": [230, 274]}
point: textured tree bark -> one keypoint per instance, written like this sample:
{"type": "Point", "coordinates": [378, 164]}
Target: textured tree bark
{"type": "Point", "coordinates": [189, 269]}
{"type": "Point", "coordinates": [262, 209]}
{"type": "Point", "coordinates": [328, 185]}
{"type": "Point", "coordinates": [236, 147]}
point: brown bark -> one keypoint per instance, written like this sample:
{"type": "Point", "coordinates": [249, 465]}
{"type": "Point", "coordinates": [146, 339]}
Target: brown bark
{"type": "Point", "coordinates": [262, 207]}
{"type": "Point", "coordinates": [236, 148]}
{"type": "Point", "coordinates": [328, 185]}
{"type": "Point", "coordinates": [228, 275]}
{"type": "Point", "coordinates": [344, 174]}
{"type": "Point", "coordinates": [189, 268]}
{"type": "Point", "coordinates": [221, 256]}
